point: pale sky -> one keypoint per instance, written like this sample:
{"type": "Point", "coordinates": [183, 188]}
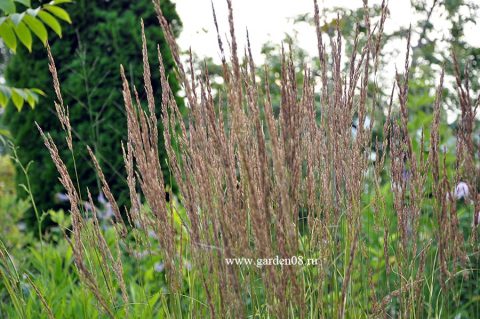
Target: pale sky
{"type": "Point", "coordinates": [269, 20]}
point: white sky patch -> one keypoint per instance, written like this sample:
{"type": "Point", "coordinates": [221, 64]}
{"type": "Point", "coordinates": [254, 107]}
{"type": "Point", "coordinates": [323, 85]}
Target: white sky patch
{"type": "Point", "coordinates": [267, 21]}
{"type": "Point", "coordinates": [270, 20]}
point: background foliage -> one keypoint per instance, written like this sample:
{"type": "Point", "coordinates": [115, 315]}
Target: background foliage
{"type": "Point", "coordinates": [19, 23]}
{"type": "Point", "coordinates": [104, 35]}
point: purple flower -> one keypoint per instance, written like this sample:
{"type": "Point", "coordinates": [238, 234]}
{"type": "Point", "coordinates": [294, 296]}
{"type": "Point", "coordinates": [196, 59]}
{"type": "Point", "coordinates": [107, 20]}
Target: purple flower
{"type": "Point", "coordinates": [106, 213]}
{"type": "Point", "coordinates": [406, 175]}
{"type": "Point", "coordinates": [159, 267]}
{"type": "Point", "coordinates": [152, 234]}
{"type": "Point", "coordinates": [461, 191]}
{"type": "Point", "coordinates": [62, 198]}
{"type": "Point", "coordinates": [88, 207]}
{"type": "Point", "coordinates": [101, 199]}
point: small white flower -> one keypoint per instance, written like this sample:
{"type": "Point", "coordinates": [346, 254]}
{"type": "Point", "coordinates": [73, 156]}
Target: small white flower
{"type": "Point", "coordinates": [22, 226]}
{"type": "Point", "coordinates": [461, 191]}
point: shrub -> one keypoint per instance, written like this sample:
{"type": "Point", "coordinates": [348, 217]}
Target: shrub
{"type": "Point", "coordinates": [12, 209]}
{"type": "Point", "coordinates": [104, 35]}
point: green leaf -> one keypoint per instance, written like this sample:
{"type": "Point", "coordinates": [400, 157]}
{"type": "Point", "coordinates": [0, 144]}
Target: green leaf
{"type": "Point", "coordinates": [37, 28]}
{"type": "Point", "coordinates": [51, 22]}
{"type": "Point", "coordinates": [22, 92]}
{"type": "Point", "coordinates": [26, 3]}
{"type": "Point", "coordinates": [32, 99]}
{"type": "Point", "coordinates": [3, 99]}
{"type": "Point", "coordinates": [59, 12]}
{"type": "Point", "coordinates": [7, 6]}
{"type": "Point", "coordinates": [54, 2]}
{"type": "Point", "coordinates": [6, 91]}
{"type": "Point", "coordinates": [19, 96]}
{"type": "Point", "coordinates": [154, 299]}
{"type": "Point", "coordinates": [17, 99]}
{"type": "Point", "coordinates": [5, 133]}
{"type": "Point", "coordinates": [24, 34]}
{"type": "Point", "coordinates": [8, 36]}
{"type": "Point", "coordinates": [38, 91]}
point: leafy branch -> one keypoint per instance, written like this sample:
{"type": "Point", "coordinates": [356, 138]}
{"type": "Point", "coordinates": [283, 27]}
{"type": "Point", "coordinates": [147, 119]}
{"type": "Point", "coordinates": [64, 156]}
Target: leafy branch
{"type": "Point", "coordinates": [20, 27]}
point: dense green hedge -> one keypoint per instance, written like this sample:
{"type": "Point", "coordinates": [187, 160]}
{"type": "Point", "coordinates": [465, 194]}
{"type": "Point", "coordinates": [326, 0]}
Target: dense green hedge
{"type": "Point", "coordinates": [104, 34]}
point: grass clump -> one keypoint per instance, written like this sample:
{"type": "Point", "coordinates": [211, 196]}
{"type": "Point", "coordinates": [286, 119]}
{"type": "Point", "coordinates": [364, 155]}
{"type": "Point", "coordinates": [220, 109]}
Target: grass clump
{"type": "Point", "coordinates": [330, 207]}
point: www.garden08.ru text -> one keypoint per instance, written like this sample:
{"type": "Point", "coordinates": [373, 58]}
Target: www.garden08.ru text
{"type": "Point", "coordinates": [275, 261]}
